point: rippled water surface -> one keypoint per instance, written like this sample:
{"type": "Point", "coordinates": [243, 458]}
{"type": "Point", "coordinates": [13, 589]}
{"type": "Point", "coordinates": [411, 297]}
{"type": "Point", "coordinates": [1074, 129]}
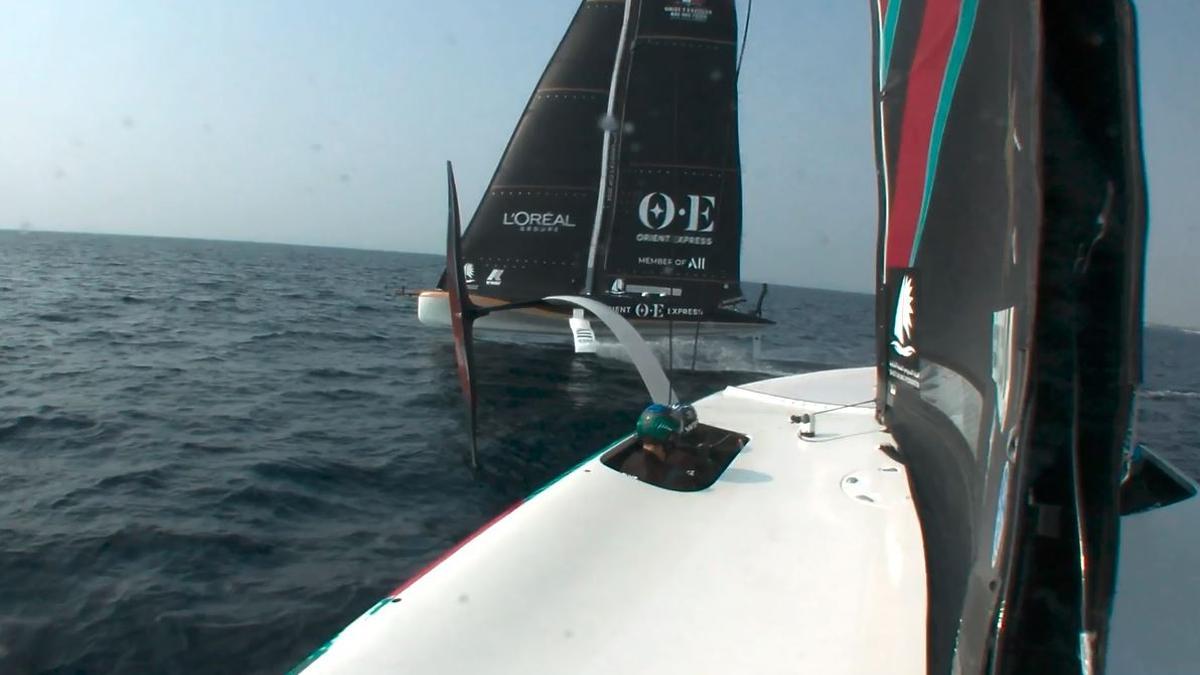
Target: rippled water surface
{"type": "Point", "coordinates": [216, 454]}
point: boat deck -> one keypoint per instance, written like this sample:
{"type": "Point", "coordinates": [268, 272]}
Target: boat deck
{"type": "Point", "coordinates": [804, 556]}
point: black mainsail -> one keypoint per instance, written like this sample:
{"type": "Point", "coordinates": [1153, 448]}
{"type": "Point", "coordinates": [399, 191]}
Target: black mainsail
{"type": "Point", "coordinates": [622, 179]}
{"type": "Point", "coordinates": [1010, 259]}
{"type": "Point", "coordinates": [675, 218]}
{"type": "Point", "coordinates": [530, 235]}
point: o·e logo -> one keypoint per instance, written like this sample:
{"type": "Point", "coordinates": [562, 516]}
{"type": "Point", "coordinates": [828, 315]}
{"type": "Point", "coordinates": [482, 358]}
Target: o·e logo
{"type": "Point", "coordinates": [658, 210]}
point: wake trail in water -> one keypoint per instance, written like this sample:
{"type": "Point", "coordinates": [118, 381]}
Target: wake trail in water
{"type": "Point", "coordinates": [716, 356]}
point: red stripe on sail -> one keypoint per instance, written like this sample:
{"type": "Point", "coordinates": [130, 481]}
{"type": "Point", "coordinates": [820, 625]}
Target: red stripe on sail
{"type": "Point", "coordinates": [925, 78]}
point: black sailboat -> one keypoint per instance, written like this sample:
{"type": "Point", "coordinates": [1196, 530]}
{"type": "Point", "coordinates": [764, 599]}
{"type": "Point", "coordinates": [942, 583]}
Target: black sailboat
{"type": "Point", "coordinates": [622, 179]}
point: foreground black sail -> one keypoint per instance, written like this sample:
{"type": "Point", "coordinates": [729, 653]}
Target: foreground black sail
{"type": "Point", "coordinates": [1011, 253]}
{"type": "Point", "coordinates": [622, 179]}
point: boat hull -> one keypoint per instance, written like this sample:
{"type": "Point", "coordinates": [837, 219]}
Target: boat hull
{"type": "Point", "coordinates": [433, 309]}
{"type": "Point", "coordinates": [1158, 592]}
{"type": "Point", "coordinates": [802, 557]}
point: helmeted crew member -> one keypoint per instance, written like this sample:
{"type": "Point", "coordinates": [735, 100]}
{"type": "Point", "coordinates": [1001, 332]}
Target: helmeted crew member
{"type": "Point", "coordinates": [660, 460]}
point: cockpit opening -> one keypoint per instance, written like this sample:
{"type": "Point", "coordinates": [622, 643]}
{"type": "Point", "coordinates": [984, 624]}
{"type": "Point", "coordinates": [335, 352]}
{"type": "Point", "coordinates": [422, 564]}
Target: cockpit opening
{"type": "Point", "coordinates": [674, 451]}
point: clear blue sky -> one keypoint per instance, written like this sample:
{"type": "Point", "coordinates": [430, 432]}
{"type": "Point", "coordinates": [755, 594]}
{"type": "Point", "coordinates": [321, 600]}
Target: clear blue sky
{"type": "Point", "coordinates": [328, 123]}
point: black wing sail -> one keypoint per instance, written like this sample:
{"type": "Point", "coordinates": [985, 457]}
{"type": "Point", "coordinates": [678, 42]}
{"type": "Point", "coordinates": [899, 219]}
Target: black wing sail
{"type": "Point", "coordinates": [675, 224]}
{"type": "Point", "coordinates": [1012, 206]}
{"type": "Point", "coordinates": [530, 235]}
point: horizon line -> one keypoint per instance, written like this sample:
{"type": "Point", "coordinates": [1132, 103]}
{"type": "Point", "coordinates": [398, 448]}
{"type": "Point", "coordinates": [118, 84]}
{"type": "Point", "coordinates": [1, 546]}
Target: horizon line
{"type": "Point", "coordinates": [35, 230]}
{"type": "Point", "coordinates": [343, 247]}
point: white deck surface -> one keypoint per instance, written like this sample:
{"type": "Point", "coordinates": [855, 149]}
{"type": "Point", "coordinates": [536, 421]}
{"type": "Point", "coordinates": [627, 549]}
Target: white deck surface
{"type": "Point", "coordinates": [1158, 593]}
{"type": "Point", "coordinates": [805, 557]}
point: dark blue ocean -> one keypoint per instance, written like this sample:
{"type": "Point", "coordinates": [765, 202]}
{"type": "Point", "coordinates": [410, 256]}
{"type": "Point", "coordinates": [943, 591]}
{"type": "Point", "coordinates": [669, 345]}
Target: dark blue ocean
{"type": "Point", "coordinates": [213, 455]}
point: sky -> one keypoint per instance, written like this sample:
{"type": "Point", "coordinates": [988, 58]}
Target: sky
{"type": "Point", "coordinates": [329, 123]}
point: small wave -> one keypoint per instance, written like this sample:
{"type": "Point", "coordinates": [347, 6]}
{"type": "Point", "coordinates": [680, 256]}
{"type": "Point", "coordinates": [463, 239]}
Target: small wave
{"type": "Point", "coordinates": [343, 394]}
{"type": "Point", "coordinates": [212, 448]}
{"type": "Point", "coordinates": [133, 300]}
{"type": "Point", "coordinates": [166, 343]}
{"type": "Point", "coordinates": [105, 336]}
{"type": "Point", "coordinates": [154, 479]}
{"type": "Point", "coordinates": [1170, 395]}
{"type": "Point", "coordinates": [338, 373]}
{"type": "Point", "coordinates": [56, 317]}
{"type": "Point", "coordinates": [138, 415]}
{"type": "Point", "coordinates": [275, 335]}
{"type": "Point", "coordinates": [316, 476]}
{"type": "Point", "coordinates": [303, 335]}
{"type": "Point", "coordinates": [22, 423]}
{"type": "Point", "coordinates": [25, 423]}
{"type": "Point", "coordinates": [170, 370]}
{"type": "Point", "coordinates": [136, 541]}
{"type": "Point", "coordinates": [56, 375]}
{"type": "Point", "coordinates": [282, 502]}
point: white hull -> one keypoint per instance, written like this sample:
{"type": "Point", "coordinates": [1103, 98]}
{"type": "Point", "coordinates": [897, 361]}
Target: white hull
{"type": "Point", "coordinates": [433, 309]}
{"type": "Point", "coordinates": [1158, 593]}
{"type": "Point", "coordinates": [803, 557]}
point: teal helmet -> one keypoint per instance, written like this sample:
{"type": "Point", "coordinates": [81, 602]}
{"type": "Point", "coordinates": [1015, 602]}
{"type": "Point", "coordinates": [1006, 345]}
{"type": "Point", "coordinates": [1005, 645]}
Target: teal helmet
{"type": "Point", "coordinates": [658, 423]}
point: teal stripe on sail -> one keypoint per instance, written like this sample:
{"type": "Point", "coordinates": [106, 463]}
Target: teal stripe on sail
{"type": "Point", "coordinates": [958, 53]}
{"type": "Point", "coordinates": [886, 39]}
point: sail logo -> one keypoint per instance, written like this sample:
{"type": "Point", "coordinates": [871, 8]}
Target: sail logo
{"type": "Point", "coordinates": [618, 287]}
{"type": "Point", "coordinates": [658, 310]}
{"type": "Point", "coordinates": [469, 273]}
{"type": "Point", "coordinates": [688, 10]}
{"type": "Point", "coordinates": [645, 310]}
{"type": "Point", "coordinates": [494, 279]}
{"type": "Point", "coordinates": [699, 263]}
{"type": "Point", "coordinates": [658, 211]}
{"type": "Point", "coordinates": [902, 327]}
{"type": "Point", "coordinates": [529, 221]}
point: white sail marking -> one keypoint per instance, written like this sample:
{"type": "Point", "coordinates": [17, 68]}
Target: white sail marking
{"type": "Point", "coordinates": [903, 327]}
